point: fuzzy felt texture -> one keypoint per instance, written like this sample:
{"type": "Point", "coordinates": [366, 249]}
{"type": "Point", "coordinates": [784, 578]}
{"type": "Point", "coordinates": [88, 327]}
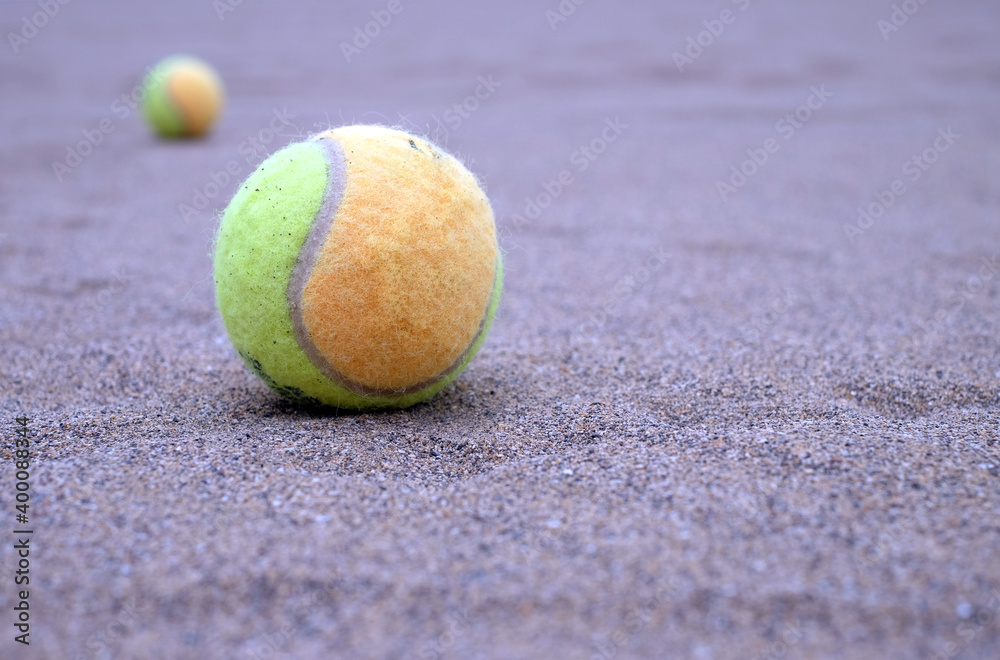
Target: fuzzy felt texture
{"type": "Point", "coordinates": [183, 97]}
{"type": "Point", "coordinates": [402, 285]}
{"type": "Point", "coordinates": [259, 239]}
{"type": "Point", "coordinates": [396, 264]}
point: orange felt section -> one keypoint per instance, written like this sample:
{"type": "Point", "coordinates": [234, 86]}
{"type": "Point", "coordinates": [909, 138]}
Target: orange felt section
{"type": "Point", "coordinates": [404, 279]}
{"type": "Point", "coordinates": [197, 95]}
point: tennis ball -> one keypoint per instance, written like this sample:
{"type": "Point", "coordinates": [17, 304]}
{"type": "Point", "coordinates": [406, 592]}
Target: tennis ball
{"type": "Point", "coordinates": [183, 97]}
{"type": "Point", "coordinates": [358, 269]}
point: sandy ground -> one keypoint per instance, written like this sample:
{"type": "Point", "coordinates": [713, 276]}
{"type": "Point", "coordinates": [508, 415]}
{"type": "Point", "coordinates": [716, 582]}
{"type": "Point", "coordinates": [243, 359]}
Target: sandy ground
{"type": "Point", "coordinates": [710, 422]}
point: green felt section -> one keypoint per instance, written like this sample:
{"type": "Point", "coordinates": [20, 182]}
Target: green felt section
{"type": "Point", "coordinates": [157, 106]}
{"type": "Point", "coordinates": [259, 239]}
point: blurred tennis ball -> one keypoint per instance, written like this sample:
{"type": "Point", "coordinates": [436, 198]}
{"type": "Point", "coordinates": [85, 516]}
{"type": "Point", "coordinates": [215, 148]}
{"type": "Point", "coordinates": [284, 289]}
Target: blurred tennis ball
{"type": "Point", "coordinates": [183, 98]}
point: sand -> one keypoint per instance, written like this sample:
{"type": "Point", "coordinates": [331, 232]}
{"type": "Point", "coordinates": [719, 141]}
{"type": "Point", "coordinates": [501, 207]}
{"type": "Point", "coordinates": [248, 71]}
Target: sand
{"type": "Point", "coordinates": [709, 422]}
